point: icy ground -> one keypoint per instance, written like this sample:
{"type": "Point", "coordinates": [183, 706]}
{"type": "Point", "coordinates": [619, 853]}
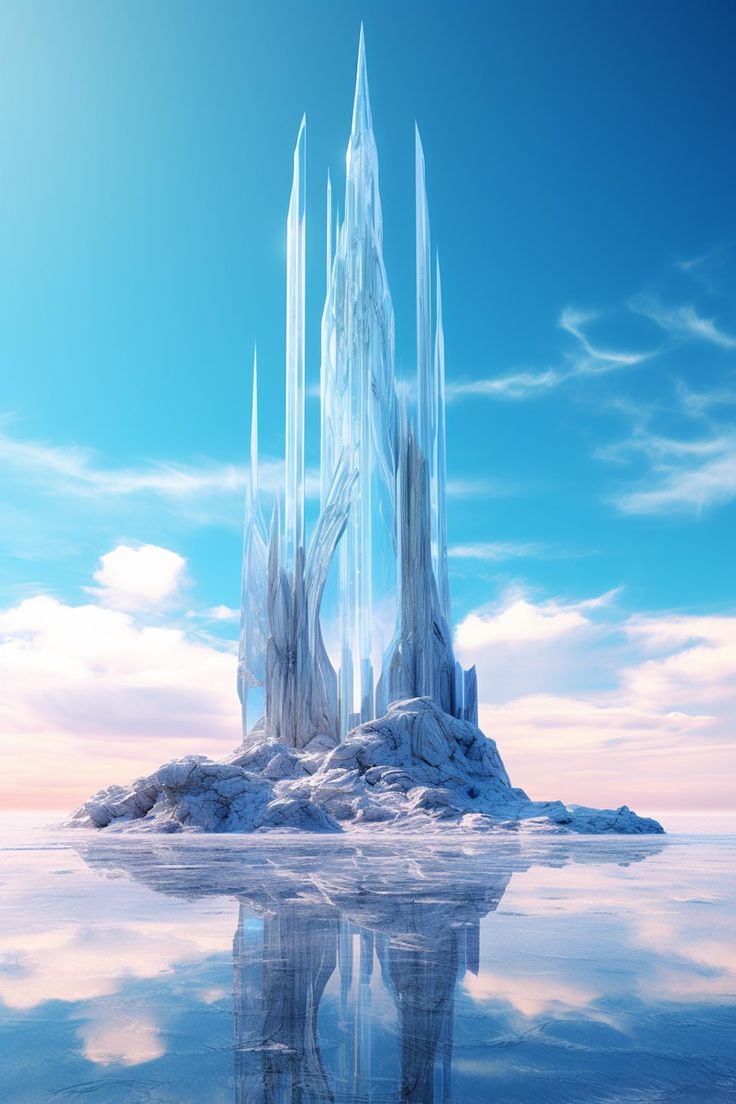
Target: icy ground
{"type": "Point", "coordinates": [528, 968]}
{"type": "Point", "coordinates": [415, 766]}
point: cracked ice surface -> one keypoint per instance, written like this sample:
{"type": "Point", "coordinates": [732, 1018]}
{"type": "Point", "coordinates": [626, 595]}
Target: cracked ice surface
{"type": "Point", "coordinates": [414, 767]}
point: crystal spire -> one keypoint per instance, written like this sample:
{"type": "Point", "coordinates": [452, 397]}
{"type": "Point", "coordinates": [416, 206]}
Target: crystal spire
{"type": "Point", "coordinates": [327, 456]}
{"type": "Point", "coordinates": [425, 381]}
{"type": "Point", "coordinates": [359, 415]}
{"type": "Point", "coordinates": [254, 580]}
{"type": "Point", "coordinates": [441, 568]}
{"type": "Point", "coordinates": [362, 121]}
{"type": "Point", "coordinates": [295, 303]}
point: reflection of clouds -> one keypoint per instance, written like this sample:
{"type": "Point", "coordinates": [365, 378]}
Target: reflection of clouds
{"type": "Point", "coordinates": [74, 945]}
{"type": "Point", "coordinates": [80, 962]}
{"type": "Point", "coordinates": [531, 995]}
{"type": "Point", "coordinates": [212, 995]}
{"type": "Point", "coordinates": [671, 947]}
{"type": "Point", "coordinates": [125, 1040]}
{"type": "Point", "coordinates": [692, 967]}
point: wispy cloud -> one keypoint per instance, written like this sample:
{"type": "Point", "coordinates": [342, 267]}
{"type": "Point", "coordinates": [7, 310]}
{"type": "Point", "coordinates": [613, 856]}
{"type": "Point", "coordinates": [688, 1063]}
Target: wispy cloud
{"type": "Point", "coordinates": [75, 470]}
{"type": "Point", "coordinates": [497, 550]}
{"type": "Point", "coordinates": [587, 359]}
{"type": "Point", "coordinates": [699, 403]}
{"type": "Point", "coordinates": [713, 269]}
{"type": "Point", "coordinates": [479, 488]}
{"type": "Point", "coordinates": [78, 470]}
{"type": "Point", "coordinates": [683, 322]}
{"type": "Point", "coordinates": [573, 321]}
{"type": "Point", "coordinates": [685, 475]}
{"type": "Point", "coordinates": [517, 385]}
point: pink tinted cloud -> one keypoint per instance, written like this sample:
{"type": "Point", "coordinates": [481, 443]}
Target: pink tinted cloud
{"type": "Point", "coordinates": [596, 706]}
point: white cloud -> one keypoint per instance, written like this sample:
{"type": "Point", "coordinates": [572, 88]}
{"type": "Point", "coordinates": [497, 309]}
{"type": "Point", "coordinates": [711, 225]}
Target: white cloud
{"type": "Point", "coordinates": [92, 696]}
{"type": "Point", "coordinates": [696, 670]}
{"type": "Point", "coordinates": [524, 384]}
{"type": "Point", "coordinates": [683, 321]}
{"type": "Point", "coordinates": [494, 550]}
{"type": "Point", "coordinates": [222, 613]}
{"type": "Point", "coordinates": [145, 577]}
{"type": "Point", "coordinates": [588, 359]}
{"type": "Point", "coordinates": [685, 475]}
{"type": "Point", "coordinates": [603, 708]}
{"type": "Point", "coordinates": [73, 470]}
{"type": "Point", "coordinates": [697, 403]}
{"type": "Point", "coordinates": [573, 321]}
{"type": "Point", "coordinates": [517, 620]}
{"type": "Point", "coordinates": [479, 488]}
{"type": "Point", "coordinates": [498, 551]}
{"type": "Point", "coordinates": [518, 623]}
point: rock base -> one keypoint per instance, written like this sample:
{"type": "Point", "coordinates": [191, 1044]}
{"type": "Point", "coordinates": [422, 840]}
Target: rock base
{"type": "Point", "coordinates": [413, 767]}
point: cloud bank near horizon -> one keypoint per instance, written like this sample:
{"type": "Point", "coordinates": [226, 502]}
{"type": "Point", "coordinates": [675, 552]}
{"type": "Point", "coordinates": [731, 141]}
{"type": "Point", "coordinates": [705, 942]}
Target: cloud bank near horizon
{"type": "Point", "coordinates": [587, 702]}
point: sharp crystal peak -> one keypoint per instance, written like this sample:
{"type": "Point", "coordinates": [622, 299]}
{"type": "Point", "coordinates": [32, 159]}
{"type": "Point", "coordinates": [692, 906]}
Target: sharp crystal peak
{"type": "Point", "coordinates": [362, 121]}
{"type": "Point", "coordinates": [295, 350]}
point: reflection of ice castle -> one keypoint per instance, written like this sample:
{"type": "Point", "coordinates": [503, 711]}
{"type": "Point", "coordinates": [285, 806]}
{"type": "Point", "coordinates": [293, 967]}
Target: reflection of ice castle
{"type": "Point", "coordinates": [344, 989]}
{"type": "Point", "coordinates": [284, 961]}
{"type": "Point", "coordinates": [382, 487]}
{"type": "Point", "coordinates": [346, 957]}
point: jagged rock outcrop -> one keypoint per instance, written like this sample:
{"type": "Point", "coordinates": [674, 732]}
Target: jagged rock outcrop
{"type": "Point", "coordinates": [414, 767]}
{"type": "Point", "coordinates": [195, 793]}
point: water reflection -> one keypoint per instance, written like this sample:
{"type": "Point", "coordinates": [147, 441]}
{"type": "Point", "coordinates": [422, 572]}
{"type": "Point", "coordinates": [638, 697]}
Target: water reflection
{"type": "Point", "coordinates": [339, 947]}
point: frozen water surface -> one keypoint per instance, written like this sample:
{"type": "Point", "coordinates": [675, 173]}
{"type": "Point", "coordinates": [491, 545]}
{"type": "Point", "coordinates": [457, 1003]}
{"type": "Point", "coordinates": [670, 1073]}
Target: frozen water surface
{"type": "Point", "coordinates": [247, 969]}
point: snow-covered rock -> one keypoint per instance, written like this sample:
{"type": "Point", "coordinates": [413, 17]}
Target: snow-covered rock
{"type": "Point", "coordinates": [195, 793]}
{"type": "Point", "coordinates": [413, 767]}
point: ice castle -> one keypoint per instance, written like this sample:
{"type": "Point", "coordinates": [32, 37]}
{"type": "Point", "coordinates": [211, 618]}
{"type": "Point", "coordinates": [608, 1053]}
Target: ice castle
{"type": "Point", "coordinates": [381, 727]}
{"type": "Point", "coordinates": [382, 486]}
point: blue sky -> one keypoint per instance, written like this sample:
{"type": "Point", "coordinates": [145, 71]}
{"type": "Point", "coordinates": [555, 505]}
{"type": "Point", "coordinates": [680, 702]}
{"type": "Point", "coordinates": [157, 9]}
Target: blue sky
{"type": "Point", "coordinates": [580, 171]}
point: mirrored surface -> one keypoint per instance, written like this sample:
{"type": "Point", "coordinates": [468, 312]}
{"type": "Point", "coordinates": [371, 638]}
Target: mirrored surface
{"type": "Point", "coordinates": [407, 969]}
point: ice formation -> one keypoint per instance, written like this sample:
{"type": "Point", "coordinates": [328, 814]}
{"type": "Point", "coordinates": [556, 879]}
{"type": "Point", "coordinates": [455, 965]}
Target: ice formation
{"type": "Point", "coordinates": [313, 754]}
{"type": "Point", "coordinates": [415, 767]}
{"type": "Point", "coordinates": [382, 482]}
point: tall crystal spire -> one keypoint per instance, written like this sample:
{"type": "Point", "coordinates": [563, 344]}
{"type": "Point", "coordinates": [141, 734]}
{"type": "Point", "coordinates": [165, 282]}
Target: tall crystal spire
{"type": "Point", "coordinates": [441, 568]}
{"type": "Point", "coordinates": [295, 304]}
{"type": "Point", "coordinates": [362, 121]}
{"type": "Point", "coordinates": [327, 443]}
{"type": "Point", "coordinates": [254, 583]}
{"type": "Point", "coordinates": [359, 415]}
{"type": "Point", "coordinates": [328, 244]}
{"type": "Point", "coordinates": [426, 381]}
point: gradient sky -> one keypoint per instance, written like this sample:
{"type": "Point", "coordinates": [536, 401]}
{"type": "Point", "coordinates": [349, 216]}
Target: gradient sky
{"type": "Point", "coordinates": [581, 181]}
